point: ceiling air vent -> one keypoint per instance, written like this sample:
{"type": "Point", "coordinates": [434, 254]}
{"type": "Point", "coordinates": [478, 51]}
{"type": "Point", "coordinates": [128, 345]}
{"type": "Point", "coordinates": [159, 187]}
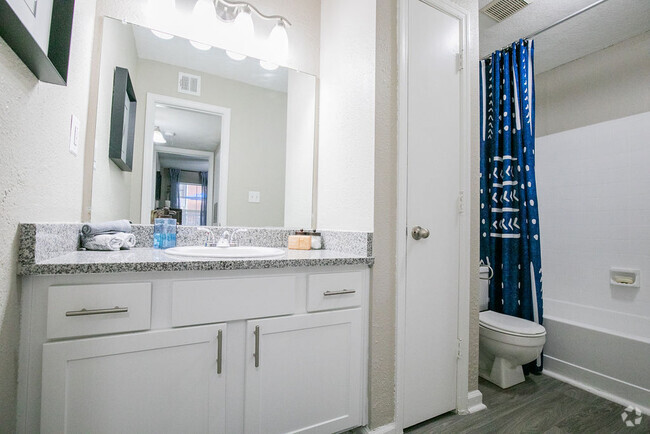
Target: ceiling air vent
{"type": "Point", "coordinates": [499, 10]}
{"type": "Point", "coordinates": [188, 83]}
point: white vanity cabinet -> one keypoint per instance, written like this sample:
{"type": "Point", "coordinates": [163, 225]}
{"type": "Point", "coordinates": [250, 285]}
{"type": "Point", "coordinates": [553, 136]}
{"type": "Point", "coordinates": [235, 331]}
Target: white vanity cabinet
{"type": "Point", "coordinates": [247, 351]}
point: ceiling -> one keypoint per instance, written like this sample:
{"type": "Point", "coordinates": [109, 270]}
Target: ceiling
{"type": "Point", "coordinates": [179, 52]}
{"type": "Point", "coordinates": [192, 129]}
{"type": "Point", "coordinates": [606, 24]}
{"type": "Point", "coordinates": [183, 162]}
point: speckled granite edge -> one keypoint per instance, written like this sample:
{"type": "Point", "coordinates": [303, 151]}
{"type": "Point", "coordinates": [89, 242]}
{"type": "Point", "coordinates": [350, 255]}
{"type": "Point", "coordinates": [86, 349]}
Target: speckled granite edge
{"type": "Point", "coordinates": [41, 242]}
{"type": "Point", "coordinates": [96, 268]}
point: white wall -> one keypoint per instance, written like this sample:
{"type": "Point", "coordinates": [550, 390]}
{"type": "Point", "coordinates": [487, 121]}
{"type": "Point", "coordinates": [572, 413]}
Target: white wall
{"type": "Point", "coordinates": [594, 195]}
{"type": "Point", "coordinates": [112, 185]}
{"type": "Point", "coordinates": [301, 118]}
{"type": "Point", "coordinates": [40, 181]}
{"type": "Point", "coordinates": [347, 115]}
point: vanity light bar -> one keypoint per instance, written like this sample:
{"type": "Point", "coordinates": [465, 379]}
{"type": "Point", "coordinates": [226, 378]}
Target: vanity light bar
{"type": "Point", "coordinates": [227, 11]}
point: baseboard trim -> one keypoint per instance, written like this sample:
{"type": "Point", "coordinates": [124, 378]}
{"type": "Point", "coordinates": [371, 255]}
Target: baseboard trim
{"type": "Point", "coordinates": [599, 384]}
{"type": "Point", "coordinates": [475, 402]}
{"type": "Point", "coordinates": [385, 429]}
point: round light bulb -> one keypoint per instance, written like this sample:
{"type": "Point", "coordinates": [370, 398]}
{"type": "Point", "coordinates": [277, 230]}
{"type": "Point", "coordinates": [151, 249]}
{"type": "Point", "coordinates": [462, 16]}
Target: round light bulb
{"type": "Point", "coordinates": [278, 43]}
{"type": "Point", "coordinates": [204, 10]}
{"type": "Point", "coordinates": [200, 46]}
{"type": "Point", "coordinates": [243, 30]}
{"type": "Point", "coordinates": [235, 56]}
{"type": "Point", "coordinates": [269, 66]}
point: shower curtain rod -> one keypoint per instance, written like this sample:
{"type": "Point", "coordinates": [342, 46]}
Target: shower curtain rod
{"type": "Point", "coordinates": [558, 22]}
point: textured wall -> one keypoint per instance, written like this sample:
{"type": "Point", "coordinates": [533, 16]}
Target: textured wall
{"type": "Point", "coordinates": [382, 304]}
{"type": "Point", "coordinates": [609, 84]}
{"type": "Point", "coordinates": [347, 115]}
{"type": "Point", "coordinates": [40, 180]}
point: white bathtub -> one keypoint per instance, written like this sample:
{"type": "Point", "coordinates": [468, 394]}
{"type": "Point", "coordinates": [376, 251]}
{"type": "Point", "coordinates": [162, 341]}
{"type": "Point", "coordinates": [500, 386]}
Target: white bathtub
{"type": "Point", "coordinates": [605, 352]}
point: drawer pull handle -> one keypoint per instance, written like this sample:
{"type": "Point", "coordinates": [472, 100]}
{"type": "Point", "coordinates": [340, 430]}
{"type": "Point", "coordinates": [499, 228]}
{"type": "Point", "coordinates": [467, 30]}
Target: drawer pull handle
{"type": "Point", "coordinates": [84, 312]}
{"type": "Point", "coordinates": [219, 350]}
{"type": "Point", "coordinates": [342, 292]}
{"type": "Point", "coordinates": [257, 346]}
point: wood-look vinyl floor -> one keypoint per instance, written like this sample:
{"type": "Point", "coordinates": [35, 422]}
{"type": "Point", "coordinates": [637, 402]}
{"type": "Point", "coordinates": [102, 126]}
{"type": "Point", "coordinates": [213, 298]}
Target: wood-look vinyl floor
{"type": "Point", "coordinates": [539, 405]}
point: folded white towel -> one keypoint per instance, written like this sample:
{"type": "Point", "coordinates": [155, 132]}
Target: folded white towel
{"type": "Point", "coordinates": [128, 240]}
{"type": "Point", "coordinates": [102, 242]}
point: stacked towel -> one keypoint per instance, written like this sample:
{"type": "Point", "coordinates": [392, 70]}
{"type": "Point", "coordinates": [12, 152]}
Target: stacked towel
{"type": "Point", "coordinates": [106, 227]}
{"type": "Point", "coordinates": [113, 235]}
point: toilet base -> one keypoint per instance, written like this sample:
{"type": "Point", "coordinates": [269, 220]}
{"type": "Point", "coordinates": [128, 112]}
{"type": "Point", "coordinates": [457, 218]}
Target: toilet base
{"type": "Point", "coordinates": [503, 374]}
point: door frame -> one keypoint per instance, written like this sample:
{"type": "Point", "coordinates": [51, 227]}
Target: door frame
{"type": "Point", "coordinates": [462, 374]}
{"type": "Point", "coordinates": [148, 172]}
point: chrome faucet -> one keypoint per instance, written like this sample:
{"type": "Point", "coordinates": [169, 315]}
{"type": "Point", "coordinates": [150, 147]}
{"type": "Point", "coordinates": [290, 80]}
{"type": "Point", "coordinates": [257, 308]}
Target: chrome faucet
{"type": "Point", "coordinates": [233, 243]}
{"type": "Point", "coordinates": [224, 240]}
{"type": "Point", "coordinates": [209, 239]}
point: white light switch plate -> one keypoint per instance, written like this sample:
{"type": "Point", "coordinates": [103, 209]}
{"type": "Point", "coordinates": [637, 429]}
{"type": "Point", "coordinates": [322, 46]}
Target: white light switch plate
{"type": "Point", "coordinates": [254, 196]}
{"type": "Point", "coordinates": [75, 132]}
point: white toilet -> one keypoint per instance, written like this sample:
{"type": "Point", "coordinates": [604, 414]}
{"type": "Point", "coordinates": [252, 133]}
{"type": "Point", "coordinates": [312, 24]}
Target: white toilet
{"type": "Point", "coordinates": [505, 342]}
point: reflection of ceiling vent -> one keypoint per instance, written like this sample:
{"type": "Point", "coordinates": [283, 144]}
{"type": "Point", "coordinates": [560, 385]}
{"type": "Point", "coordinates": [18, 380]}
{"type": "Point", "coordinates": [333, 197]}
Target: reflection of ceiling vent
{"type": "Point", "coordinates": [188, 83]}
{"type": "Point", "coordinates": [499, 10]}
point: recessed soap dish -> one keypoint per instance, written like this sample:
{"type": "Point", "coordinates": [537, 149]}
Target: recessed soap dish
{"type": "Point", "coordinates": [625, 277]}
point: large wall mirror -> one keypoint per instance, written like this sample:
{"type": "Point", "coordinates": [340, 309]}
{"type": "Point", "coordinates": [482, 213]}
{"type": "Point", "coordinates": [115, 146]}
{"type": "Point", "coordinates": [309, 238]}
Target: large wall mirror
{"type": "Point", "coordinates": [226, 139]}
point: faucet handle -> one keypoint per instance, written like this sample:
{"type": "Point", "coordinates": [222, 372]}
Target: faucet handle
{"type": "Point", "coordinates": [224, 240]}
{"type": "Point", "coordinates": [209, 238]}
{"type": "Point", "coordinates": [232, 236]}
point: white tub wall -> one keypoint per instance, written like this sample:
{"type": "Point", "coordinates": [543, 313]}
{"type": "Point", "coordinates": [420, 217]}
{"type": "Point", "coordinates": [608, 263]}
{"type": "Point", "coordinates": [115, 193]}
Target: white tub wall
{"type": "Point", "coordinates": [593, 155]}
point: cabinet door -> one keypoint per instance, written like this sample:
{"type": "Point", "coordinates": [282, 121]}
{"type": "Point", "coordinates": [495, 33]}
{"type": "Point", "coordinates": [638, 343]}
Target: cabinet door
{"type": "Point", "coordinates": [153, 382]}
{"type": "Point", "coordinates": [306, 374]}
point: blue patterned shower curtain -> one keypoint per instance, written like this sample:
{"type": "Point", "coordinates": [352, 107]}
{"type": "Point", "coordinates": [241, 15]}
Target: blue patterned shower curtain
{"type": "Point", "coordinates": [509, 218]}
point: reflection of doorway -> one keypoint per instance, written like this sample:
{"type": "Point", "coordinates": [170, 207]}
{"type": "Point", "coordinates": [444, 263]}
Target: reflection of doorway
{"type": "Point", "coordinates": [194, 135]}
{"type": "Point", "coordinates": [193, 185]}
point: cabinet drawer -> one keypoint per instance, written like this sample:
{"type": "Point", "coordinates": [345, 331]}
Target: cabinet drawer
{"type": "Point", "coordinates": [84, 310]}
{"type": "Point", "coordinates": [219, 300]}
{"type": "Point", "coordinates": [334, 291]}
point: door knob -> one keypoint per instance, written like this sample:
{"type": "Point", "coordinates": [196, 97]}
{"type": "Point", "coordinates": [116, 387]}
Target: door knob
{"type": "Point", "coordinates": [419, 232]}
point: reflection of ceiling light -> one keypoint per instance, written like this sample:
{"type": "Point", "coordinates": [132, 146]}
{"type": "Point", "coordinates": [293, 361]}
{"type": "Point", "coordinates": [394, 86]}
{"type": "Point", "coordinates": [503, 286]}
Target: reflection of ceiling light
{"type": "Point", "coordinates": [200, 46]}
{"type": "Point", "coordinates": [162, 35]}
{"type": "Point", "coordinates": [235, 56]}
{"type": "Point", "coordinates": [158, 137]}
{"type": "Point", "coordinates": [269, 66]}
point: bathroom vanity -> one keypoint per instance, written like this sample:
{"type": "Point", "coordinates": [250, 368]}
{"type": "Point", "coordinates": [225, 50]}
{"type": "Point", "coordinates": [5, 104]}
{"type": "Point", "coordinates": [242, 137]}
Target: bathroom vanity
{"type": "Point", "coordinates": [274, 346]}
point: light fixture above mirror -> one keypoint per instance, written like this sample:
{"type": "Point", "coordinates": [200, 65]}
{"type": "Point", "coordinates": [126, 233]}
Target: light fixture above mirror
{"type": "Point", "coordinates": [239, 28]}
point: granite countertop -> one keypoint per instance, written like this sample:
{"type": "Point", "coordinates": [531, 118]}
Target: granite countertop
{"type": "Point", "coordinates": [148, 259]}
{"type": "Point", "coordinates": [47, 248]}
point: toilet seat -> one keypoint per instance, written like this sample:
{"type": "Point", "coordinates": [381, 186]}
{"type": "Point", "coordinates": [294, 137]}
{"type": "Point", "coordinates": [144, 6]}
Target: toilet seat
{"type": "Point", "coordinates": [510, 325]}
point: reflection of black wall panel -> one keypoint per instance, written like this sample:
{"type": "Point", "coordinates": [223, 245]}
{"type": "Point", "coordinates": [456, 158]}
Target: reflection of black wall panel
{"type": "Point", "coordinates": [120, 149]}
{"type": "Point", "coordinates": [158, 185]}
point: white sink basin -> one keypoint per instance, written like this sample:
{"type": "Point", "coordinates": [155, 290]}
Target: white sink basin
{"type": "Point", "coordinates": [226, 252]}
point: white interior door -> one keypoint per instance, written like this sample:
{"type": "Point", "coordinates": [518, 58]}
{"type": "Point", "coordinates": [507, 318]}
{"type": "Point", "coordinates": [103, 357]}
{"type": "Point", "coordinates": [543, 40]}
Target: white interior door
{"type": "Point", "coordinates": [433, 186]}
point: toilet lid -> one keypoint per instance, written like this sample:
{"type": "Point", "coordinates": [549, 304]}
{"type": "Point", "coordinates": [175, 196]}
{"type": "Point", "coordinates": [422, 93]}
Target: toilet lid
{"type": "Point", "coordinates": [510, 324]}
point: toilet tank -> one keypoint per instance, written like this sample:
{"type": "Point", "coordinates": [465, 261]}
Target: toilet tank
{"type": "Point", "coordinates": [484, 287]}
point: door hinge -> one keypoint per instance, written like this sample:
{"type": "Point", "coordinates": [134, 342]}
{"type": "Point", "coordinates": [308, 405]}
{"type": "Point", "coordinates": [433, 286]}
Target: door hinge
{"type": "Point", "coordinates": [460, 61]}
{"type": "Point", "coordinates": [461, 202]}
{"type": "Point", "coordinates": [459, 352]}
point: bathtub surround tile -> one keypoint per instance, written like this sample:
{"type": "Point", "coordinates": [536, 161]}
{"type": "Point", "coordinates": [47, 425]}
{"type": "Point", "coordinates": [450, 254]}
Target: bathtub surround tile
{"type": "Point", "coordinates": [53, 249]}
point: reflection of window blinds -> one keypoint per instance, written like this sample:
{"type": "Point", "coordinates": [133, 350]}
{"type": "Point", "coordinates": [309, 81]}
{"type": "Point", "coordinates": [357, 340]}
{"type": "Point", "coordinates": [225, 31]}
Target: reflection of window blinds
{"type": "Point", "coordinates": [188, 83]}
